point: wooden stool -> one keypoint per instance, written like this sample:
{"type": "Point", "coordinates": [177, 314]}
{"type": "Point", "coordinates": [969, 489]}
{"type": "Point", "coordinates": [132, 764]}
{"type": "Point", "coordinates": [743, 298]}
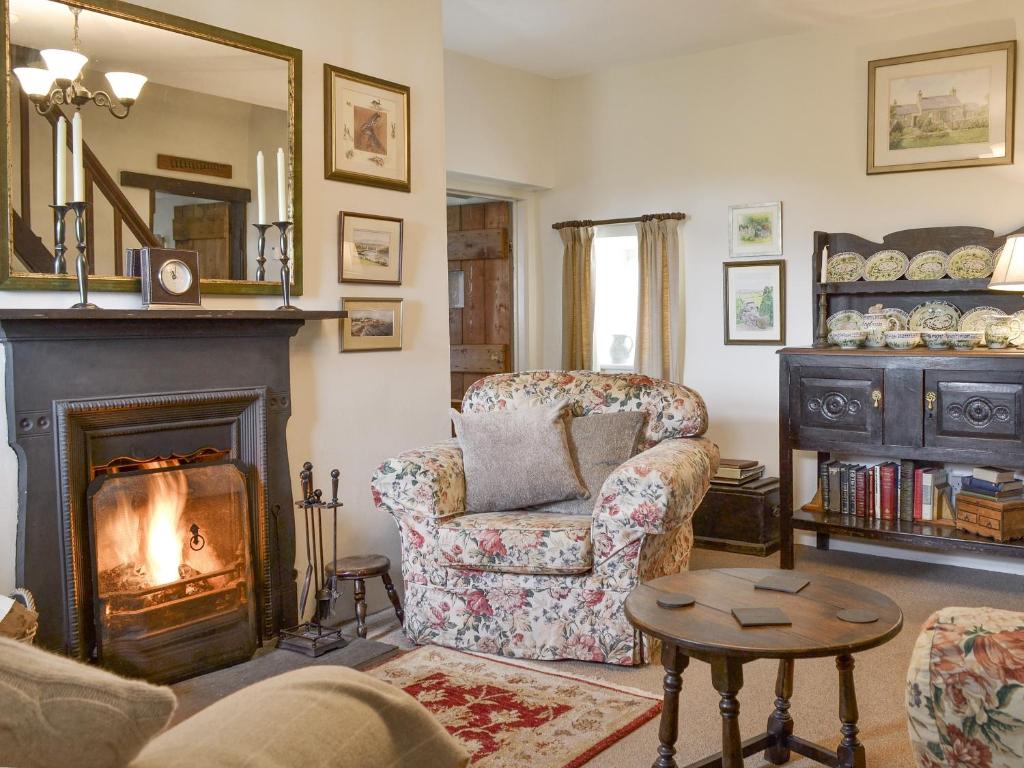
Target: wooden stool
{"type": "Point", "coordinates": [357, 569]}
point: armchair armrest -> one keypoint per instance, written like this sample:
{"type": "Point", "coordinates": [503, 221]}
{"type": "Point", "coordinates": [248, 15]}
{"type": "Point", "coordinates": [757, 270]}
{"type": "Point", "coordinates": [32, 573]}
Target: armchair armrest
{"type": "Point", "coordinates": [652, 493]}
{"type": "Point", "coordinates": [424, 483]}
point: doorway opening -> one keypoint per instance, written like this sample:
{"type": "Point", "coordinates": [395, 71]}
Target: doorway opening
{"type": "Point", "coordinates": [480, 289]}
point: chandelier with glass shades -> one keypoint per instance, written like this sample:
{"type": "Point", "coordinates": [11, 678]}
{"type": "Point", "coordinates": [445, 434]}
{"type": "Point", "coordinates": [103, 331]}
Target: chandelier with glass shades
{"type": "Point", "coordinates": [61, 81]}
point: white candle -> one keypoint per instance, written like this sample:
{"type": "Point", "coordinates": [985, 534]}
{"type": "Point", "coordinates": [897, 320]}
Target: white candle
{"type": "Point", "coordinates": [282, 188]}
{"type": "Point", "coordinates": [261, 190]}
{"type": "Point", "coordinates": [77, 159]}
{"type": "Point", "coordinates": [60, 162]}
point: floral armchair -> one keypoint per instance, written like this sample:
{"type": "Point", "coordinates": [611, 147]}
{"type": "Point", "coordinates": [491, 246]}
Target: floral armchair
{"type": "Point", "coordinates": [965, 690]}
{"type": "Point", "coordinates": [549, 585]}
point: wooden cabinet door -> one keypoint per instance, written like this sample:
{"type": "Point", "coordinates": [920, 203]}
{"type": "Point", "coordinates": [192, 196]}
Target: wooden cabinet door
{"type": "Point", "coordinates": [480, 292]}
{"type": "Point", "coordinates": [974, 410]}
{"type": "Point", "coordinates": [836, 405]}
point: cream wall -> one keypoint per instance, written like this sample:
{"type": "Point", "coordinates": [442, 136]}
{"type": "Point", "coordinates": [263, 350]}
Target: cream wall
{"type": "Point", "coordinates": [350, 410]}
{"type": "Point", "coordinates": [781, 119]}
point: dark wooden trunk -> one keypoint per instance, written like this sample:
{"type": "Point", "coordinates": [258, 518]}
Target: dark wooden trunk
{"type": "Point", "coordinates": [743, 519]}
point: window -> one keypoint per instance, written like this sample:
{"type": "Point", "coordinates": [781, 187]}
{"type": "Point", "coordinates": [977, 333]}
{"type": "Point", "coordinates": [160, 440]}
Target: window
{"type": "Point", "coordinates": [616, 287]}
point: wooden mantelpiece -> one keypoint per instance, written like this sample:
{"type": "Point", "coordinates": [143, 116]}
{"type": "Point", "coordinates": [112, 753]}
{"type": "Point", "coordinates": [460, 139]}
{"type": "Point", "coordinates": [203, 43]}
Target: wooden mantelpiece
{"type": "Point", "coordinates": [83, 386]}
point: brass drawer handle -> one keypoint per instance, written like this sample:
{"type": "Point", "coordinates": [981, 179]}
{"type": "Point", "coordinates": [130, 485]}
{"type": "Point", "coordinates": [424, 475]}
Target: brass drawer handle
{"type": "Point", "coordinates": [930, 399]}
{"type": "Point", "coordinates": [876, 398]}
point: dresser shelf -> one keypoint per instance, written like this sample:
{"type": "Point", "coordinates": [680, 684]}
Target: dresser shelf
{"type": "Point", "coordinates": [902, 286]}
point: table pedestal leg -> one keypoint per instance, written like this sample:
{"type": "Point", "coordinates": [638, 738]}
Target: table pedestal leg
{"type": "Point", "coordinates": [674, 662]}
{"type": "Point", "coordinates": [727, 677]}
{"type": "Point", "coordinates": [780, 722]}
{"type": "Point", "coordinates": [851, 752]}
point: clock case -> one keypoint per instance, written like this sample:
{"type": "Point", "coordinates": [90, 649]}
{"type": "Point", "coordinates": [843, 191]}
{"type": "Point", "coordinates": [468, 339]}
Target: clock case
{"type": "Point", "coordinates": [153, 293]}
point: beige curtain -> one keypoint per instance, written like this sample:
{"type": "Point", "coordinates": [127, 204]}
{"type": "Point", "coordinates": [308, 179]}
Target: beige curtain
{"type": "Point", "coordinates": [577, 298]}
{"type": "Point", "coordinates": [660, 333]}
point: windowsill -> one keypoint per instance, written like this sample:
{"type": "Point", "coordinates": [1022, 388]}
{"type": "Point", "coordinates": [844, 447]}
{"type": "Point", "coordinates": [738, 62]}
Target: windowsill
{"type": "Point", "coordinates": [618, 369]}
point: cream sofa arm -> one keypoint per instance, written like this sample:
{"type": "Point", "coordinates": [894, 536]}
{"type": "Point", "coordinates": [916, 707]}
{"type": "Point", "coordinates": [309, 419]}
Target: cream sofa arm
{"type": "Point", "coordinates": [425, 483]}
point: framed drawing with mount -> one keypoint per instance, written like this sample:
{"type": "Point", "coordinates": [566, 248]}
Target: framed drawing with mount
{"type": "Point", "coordinates": [366, 130]}
{"type": "Point", "coordinates": [170, 277]}
{"type": "Point", "coordinates": [369, 248]}
{"type": "Point", "coordinates": [371, 324]}
{"type": "Point", "coordinates": [755, 301]}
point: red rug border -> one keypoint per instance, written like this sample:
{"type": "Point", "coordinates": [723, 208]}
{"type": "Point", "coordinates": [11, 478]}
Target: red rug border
{"type": "Point", "coordinates": [591, 752]}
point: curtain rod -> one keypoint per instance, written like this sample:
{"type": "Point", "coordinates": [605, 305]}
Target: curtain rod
{"type": "Point", "coordinates": [627, 220]}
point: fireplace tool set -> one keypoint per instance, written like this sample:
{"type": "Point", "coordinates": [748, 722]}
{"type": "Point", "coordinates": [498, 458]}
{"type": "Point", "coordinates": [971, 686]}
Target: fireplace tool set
{"type": "Point", "coordinates": [312, 637]}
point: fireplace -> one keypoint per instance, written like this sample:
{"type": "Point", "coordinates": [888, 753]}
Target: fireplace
{"type": "Point", "coordinates": [172, 573]}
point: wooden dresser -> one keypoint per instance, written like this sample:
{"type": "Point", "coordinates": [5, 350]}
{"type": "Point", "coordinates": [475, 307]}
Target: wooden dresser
{"type": "Point", "coordinates": [938, 406]}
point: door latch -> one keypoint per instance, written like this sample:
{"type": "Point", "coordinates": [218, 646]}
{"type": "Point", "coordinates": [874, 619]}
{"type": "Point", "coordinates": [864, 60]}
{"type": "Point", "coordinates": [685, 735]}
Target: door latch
{"type": "Point", "coordinates": [876, 398]}
{"type": "Point", "coordinates": [929, 399]}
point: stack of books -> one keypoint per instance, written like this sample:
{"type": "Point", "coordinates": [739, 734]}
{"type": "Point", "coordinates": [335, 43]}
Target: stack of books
{"type": "Point", "coordinates": [991, 504]}
{"type": "Point", "coordinates": [992, 483]}
{"type": "Point", "coordinates": [892, 490]}
{"type": "Point", "coordinates": [737, 472]}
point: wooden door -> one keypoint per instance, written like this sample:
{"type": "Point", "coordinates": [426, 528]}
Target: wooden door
{"type": "Point", "coordinates": [975, 410]}
{"type": "Point", "coordinates": [830, 404]}
{"type": "Point", "coordinates": [480, 292]}
{"type": "Point", "coordinates": [206, 228]}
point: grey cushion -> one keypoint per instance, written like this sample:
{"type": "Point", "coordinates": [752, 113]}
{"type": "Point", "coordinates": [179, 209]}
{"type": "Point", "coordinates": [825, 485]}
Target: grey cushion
{"type": "Point", "coordinates": [600, 443]}
{"type": "Point", "coordinates": [55, 711]}
{"type": "Point", "coordinates": [518, 457]}
{"type": "Point", "coordinates": [319, 717]}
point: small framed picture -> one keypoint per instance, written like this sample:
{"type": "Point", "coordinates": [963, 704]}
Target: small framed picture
{"type": "Point", "coordinates": [369, 249]}
{"type": "Point", "coordinates": [755, 229]}
{"type": "Point", "coordinates": [372, 324]}
{"type": "Point", "coordinates": [366, 130]}
{"type": "Point", "coordinates": [944, 109]}
{"type": "Point", "coordinates": [755, 302]}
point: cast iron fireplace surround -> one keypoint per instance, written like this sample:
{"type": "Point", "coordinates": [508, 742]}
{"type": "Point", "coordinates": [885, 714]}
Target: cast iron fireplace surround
{"type": "Point", "coordinates": [84, 387]}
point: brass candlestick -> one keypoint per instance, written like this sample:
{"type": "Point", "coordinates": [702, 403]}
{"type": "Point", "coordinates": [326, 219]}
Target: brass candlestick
{"type": "Point", "coordinates": [60, 264]}
{"type": "Point", "coordinates": [81, 262]}
{"type": "Point", "coordinates": [261, 249]}
{"type": "Point", "coordinates": [286, 270]}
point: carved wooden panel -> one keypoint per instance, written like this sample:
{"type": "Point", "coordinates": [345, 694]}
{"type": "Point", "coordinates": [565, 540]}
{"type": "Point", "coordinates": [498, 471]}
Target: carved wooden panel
{"type": "Point", "coordinates": [975, 409]}
{"type": "Point", "coordinates": [841, 404]}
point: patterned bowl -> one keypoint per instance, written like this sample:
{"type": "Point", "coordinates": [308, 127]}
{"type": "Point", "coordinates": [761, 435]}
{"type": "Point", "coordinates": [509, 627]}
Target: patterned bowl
{"type": "Point", "coordinates": [849, 339]}
{"type": "Point", "coordinates": [902, 339]}
{"type": "Point", "coordinates": [964, 339]}
{"type": "Point", "coordinates": [935, 339]}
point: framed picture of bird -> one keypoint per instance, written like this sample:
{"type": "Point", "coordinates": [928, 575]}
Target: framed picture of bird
{"type": "Point", "coordinates": [366, 130]}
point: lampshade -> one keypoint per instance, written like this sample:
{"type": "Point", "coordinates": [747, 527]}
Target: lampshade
{"type": "Point", "coordinates": [34, 81]}
{"type": "Point", "coordinates": [126, 85]}
{"type": "Point", "coordinates": [65, 65]}
{"type": "Point", "coordinates": [1009, 271]}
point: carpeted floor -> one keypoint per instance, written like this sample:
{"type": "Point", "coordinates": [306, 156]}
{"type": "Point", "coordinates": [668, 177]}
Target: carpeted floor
{"type": "Point", "coordinates": [919, 588]}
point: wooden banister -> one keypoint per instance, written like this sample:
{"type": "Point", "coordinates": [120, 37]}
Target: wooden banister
{"type": "Point", "coordinates": [29, 247]}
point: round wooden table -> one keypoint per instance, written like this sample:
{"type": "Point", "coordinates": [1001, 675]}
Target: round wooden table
{"type": "Point", "coordinates": [707, 631]}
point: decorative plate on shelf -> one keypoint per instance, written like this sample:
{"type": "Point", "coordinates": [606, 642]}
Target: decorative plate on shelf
{"type": "Point", "coordinates": [845, 267]}
{"type": "Point", "coordinates": [902, 318]}
{"type": "Point", "coordinates": [970, 262]}
{"type": "Point", "coordinates": [886, 265]}
{"type": "Point", "coordinates": [1018, 338]}
{"type": "Point", "coordinates": [928, 265]}
{"type": "Point", "coordinates": [976, 319]}
{"type": "Point", "coordinates": [934, 316]}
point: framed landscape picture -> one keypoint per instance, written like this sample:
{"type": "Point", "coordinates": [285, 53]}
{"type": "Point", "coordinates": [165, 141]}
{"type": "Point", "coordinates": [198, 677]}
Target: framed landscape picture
{"type": "Point", "coordinates": [755, 302]}
{"type": "Point", "coordinates": [366, 129]}
{"type": "Point", "coordinates": [755, 229]}
{"type": "Point", "coordinates": [945, 109]}
{"type": "Point", "coordinates": [369, 248]}
{"type": "Point", "coordinates": [371, 325]}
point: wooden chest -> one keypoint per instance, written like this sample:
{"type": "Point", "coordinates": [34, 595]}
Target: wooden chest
{"type": "Point", "coordinates": [743, 519]}
{"type": "Point", "coordinates": [991, 519]}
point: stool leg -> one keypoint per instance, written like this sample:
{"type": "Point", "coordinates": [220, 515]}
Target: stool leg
{"type": "Point", "coordinates": [360, 590]}
{"type": "Point", "coordinates": [851, 752]}
{"type": "Point", "coordinates": [674, 662]}
{"type": "Point", "coordinates": [780, 722]}
{"type": "Point", "coordinates": [393, 596]}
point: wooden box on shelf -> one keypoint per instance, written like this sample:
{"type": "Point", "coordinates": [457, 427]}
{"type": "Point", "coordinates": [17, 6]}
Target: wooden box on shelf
{"type": "Point", "coordinates": [1002, 520]}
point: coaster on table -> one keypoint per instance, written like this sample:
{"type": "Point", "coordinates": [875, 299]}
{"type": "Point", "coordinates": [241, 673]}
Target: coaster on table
{"type": "Point", "coordinates": [857, 616]}
{"type": "Point", "coordinates": [675, 600]}
{"type": "Point", "coordinates": [782, 583]}
{"type": "Point", "coordinates": [760, 617]}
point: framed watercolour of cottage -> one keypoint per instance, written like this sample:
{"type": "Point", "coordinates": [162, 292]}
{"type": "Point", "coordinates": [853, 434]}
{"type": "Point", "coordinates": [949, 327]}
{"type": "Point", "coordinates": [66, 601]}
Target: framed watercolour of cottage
{"type": "Point", "coordinates": [945, 109]}
{"type": "Point", "coordinates": [371, 325]}
{"type": "Point", "coordinates": [755, 229]}
{"type": "Point", "coordinates": [366, 130]}
{"type": "Point", "coordinates": [755, 302]}
{"type": "Point", "coordinates": [369, 249]}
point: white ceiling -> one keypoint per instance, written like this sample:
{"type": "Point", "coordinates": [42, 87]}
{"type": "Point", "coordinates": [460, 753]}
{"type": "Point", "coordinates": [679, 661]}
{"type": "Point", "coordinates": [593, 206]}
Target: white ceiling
{"type": "Point", "coordinates": [562, 38]}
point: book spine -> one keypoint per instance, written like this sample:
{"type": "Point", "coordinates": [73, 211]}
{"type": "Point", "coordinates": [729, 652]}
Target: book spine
{"type": "Point", "coordinates": [888, 478]}
{"type": "Point", "coordinates": [844, 489]}
{"type": "Point", "coordinates": [878, 491]}
{"type": "Point", "coordinates": [860, 491]}
{"type": "Point", "coordinates": [823, 484]}
{"type": "Point", "coordinates": [851, 480]}
{"type": "Point", "coordinates": [871, 491]}
{"type": "Point", "coordinates": [906, 491]}
{"type": "Point", "coordinates": [927, 495]}
{"type": "Point", "coordinates": [918, 476]}
{"type": "Point", "coordinates": [833, 487]}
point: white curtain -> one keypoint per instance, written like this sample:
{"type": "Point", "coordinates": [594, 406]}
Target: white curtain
{"type": "Point", "coordinates": [660, 317]}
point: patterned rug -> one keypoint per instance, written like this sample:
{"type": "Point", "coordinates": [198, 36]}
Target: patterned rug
{"type": "Point", "coordinates": [510, 714]}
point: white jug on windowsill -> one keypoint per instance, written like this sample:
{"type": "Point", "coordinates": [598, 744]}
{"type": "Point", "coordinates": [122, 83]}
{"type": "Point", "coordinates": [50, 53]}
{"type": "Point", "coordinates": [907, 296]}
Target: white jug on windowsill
{"type": "Point", "coordinates": [622, 346]}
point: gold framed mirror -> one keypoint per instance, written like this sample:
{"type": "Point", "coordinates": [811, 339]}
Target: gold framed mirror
{"type": "Point", "coordinates": [173, 166]}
